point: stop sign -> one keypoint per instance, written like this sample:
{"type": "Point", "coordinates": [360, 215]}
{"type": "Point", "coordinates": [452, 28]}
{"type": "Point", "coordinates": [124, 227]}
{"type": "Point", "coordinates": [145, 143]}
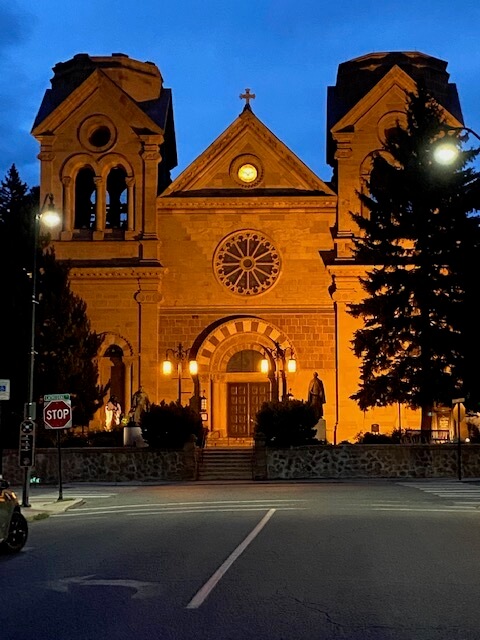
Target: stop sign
{"type": "Point", "coordinates": [57, 414]}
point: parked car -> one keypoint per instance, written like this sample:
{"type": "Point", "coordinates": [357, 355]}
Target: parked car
{"type": "Point", "coordinates": [13, 525]}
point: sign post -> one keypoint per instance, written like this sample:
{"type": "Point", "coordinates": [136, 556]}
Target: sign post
{"type": "Point", "coordinates": [4, 395]}
{"type": "Point", "coordinates": [458, 416]}
{"type": "Point", "coordinates": [57, 414]}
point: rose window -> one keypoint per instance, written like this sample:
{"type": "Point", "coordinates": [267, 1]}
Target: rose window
{"type": "Point", "coordinates": [247, 263]}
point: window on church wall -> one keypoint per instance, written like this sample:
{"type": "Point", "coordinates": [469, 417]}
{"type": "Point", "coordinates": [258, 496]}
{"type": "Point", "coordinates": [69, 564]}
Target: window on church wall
{"type": "Point", "coordinates": [246, 263]}
{"type": "Point", "coordinates": [246, 361]}
{"type": "Point", "coordinates": [116, 199]}
{"type": "Point", "coordinates": [85, 199]}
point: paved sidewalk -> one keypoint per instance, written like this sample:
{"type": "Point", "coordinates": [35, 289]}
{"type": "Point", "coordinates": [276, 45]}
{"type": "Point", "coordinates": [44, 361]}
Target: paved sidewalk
{"type": "Point", "coordinates": [43, 507]}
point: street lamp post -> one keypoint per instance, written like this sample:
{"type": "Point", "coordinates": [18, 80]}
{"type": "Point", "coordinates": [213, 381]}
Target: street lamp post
{"type": "Point", "coordinates": [279, 356]}
{"type": "Point", "coordinates": [50, 218]}
{"type": "Point", "coordinates": [179, 355]}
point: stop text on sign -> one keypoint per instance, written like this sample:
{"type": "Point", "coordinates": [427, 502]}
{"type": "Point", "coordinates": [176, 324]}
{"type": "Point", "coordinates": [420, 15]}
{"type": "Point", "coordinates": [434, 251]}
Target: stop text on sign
{"type": "Point", "coordinates": [57, 412]}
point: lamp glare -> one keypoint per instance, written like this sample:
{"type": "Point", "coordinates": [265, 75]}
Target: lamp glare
{"type": "Point", "coordinates": [264, 365]}
{"type": "Point", "coordinates": [51, 218]}
{"type": "Point", "coordinates": [292, 365]}
{"type": "Point", "coordinates": [193, 367]}
{"type": "Point", "coordinates": [167, 367]}
{"type": "Point", "coordinates": [445, 153]}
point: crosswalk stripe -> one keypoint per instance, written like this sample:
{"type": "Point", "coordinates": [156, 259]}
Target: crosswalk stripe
{"type": "Point", "coordinates": [464, 497]}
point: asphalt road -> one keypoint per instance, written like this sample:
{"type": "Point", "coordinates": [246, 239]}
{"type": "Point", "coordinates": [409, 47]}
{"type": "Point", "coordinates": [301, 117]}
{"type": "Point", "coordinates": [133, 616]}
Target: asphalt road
{"type": "Point", "coordinates": [302, 561]}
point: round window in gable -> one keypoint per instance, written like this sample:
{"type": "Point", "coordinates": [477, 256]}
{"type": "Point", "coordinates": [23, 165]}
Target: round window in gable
{"type": "Point", "coordinates": [97, 133]}
{"type": "Point", "coordinates": [100, 136]}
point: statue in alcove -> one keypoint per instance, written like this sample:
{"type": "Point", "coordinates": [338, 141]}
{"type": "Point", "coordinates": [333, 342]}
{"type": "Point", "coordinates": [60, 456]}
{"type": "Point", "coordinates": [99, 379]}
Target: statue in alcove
{"type": "Point", "coordinates": [316, 395]}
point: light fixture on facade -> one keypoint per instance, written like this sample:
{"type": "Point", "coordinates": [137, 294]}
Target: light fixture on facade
{"type": "Point", "coordinates": [292, 364]}
{"type": "Point", "coordinates": [167, 367]}
{"type": "Point", "coordinates": [193, 367]}
{"type": "Point", "coordinates": [264, 365]}
{"type": "Point", "coordinates": [179, 355]}
{"type": "Point", "coordinates": [279, 356]}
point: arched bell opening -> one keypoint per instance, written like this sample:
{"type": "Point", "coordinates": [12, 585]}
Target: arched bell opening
{"type": "Point", "coordinates": [116, 199]}
{"type": "Point", "coordinates": [85, 199]}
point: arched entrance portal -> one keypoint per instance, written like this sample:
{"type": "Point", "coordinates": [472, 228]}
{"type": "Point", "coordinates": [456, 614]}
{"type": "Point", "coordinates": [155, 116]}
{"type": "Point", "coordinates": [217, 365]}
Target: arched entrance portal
{"type": "Point", "coordinates": [230, 375]}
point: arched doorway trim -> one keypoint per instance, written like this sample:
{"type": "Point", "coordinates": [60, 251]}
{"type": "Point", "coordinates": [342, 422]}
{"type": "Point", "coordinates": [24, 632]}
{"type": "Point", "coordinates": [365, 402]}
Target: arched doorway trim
{"type": "Point", "coordinates": [218, 347]}
{"type": "Point", "coordinates": [120, 341]}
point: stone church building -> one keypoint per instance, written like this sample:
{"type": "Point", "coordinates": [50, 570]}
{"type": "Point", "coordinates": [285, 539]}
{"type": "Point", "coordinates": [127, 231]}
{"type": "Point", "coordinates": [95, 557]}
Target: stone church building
{"type": "Point", "coordinates": [244, 257]}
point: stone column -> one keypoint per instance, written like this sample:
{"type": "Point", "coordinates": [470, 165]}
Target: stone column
{"type": "Point", "coordinates": [99, 232]}
{"type": "Point", "coordinates": [130, 205]}
{"type": "Point", "coordinates": [148, 223]}
{"type": "Point", "coordinates": [148, 299]}
{"type": "Point", "coordinates": [68, 221]}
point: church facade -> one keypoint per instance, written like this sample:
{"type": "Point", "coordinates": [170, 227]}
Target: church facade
{"type": "Point", "coordinates": [242, 263]}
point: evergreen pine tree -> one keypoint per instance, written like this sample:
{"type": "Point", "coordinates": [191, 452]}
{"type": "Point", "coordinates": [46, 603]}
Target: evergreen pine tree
{"type": "Point", "coordinates": [413, 341]}
{"type": "Point", "coordinates": [65, 346]}
{"type": "Point", "coordinates": [16, 252]}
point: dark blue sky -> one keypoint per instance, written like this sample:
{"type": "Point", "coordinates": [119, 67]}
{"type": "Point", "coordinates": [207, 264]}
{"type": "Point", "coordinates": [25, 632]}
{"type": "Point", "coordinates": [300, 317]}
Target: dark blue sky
{"type": "Point", "coordinates": [286, 51]}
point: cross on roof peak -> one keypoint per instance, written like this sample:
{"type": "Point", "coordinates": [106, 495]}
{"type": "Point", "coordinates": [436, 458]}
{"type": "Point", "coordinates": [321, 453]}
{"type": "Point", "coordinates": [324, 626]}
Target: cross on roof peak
{"type": "Point", "coordinates": [247, 96]}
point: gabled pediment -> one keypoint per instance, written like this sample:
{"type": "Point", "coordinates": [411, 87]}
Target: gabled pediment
{"type": "Point", "coordinates": [247, 141]}
{"type": "Point", "coordinates": [97, 86]}
{"type": "Point", "coordinates": [392, 88]}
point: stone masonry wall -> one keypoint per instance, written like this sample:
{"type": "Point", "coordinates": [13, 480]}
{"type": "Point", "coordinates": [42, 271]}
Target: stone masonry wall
{"type": "Point", "coordinates": [104, 465]}
{"type": "Point", "coordinates": [372, 461]}
{"type": "Point", "coordinates": [343, 461]}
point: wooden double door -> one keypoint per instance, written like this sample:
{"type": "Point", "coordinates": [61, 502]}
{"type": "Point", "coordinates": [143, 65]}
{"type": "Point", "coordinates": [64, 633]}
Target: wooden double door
{"type": "Point", "coordinates": [244, 399]}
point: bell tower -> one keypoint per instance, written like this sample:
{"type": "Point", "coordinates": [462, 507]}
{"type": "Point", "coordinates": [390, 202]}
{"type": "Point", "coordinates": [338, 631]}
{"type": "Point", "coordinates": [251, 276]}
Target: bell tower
{"type": "Point", "coordinates": [107, 146]}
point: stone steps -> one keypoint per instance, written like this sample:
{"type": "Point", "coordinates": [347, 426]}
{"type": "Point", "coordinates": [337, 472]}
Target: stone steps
{"type": "Point", "coordinates": [224, 443]}
{"type": "Point", "coordinates": [226, 463]}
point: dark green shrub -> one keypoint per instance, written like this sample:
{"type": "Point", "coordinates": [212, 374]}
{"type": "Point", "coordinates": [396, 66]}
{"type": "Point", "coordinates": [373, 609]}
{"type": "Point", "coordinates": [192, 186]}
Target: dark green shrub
{"type": "Point", "coordinates": [103, 438]}
{"type": "Point", "coordinates": [170, 426]}
{"type": "Point", "coordinates": [70, 439]}
{"type": "Point", "coordinates": [286, 424]}
{"type": "Point", "coordinates": [378, 438]}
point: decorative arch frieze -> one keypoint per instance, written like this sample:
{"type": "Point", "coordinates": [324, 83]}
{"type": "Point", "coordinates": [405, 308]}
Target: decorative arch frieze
{"type": "Point", "coordinates": [110, 338]}
{"type": "Point", "coordinates": [244, 332]}
{"type": "Point", "coordinates": [76, 162]}
{"type": "Point", "coordinates": [112, 160]}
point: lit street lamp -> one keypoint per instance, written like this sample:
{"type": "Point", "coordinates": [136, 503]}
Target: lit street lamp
{"type": "Point", "coordinates": [279, 356]}
{"type": "Point", "coordinates": [50, 218]}
{"type": "Point", "coordinates": [446, 151]}
{"type": "Point", "coordinates": [179, 355]}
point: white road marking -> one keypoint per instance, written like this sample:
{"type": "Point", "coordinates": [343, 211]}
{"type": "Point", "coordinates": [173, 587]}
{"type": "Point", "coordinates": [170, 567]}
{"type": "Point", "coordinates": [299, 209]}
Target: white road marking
{"type": "Point", "coordinates": [429, 510]}
{"type": "Point", "coordinates": [204, 591]}
{"type": "Point", "coordinates": [463, 496]}
{"type": "Point", "coordinates": [195, 503]}
{"type": "Point", "coordinates": [163, 511]}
